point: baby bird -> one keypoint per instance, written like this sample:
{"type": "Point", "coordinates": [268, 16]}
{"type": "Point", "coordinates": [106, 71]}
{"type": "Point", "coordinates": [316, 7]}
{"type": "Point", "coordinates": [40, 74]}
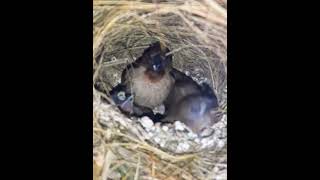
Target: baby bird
{"type": "Point", "coordinates": [122, 99]}
{"type": "Point", "coordinates": [183, 86]}
{"type": "Point", "coordinates": [194, 105]}
{"type": "Point", "coordinates": [148, 78]}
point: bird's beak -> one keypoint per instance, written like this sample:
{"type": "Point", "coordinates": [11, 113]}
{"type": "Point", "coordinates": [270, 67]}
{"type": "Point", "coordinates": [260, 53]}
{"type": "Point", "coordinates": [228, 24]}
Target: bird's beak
{"type": "Point", "coordinates": [128, 105]}
{"type": "Point", "coordinates": [156, 67]}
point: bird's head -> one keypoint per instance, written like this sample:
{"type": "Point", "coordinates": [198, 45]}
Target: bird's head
{"type": "Point", "coordinates": [122, 99]}
{"type": "Point", "coordinates": [157, 58]}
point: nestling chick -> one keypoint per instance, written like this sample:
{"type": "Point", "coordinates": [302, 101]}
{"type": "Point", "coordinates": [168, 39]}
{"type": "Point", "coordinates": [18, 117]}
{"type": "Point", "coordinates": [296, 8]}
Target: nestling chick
{"type": "Point", "coordinates": [148, 78]}
{"type": "Point", "coordinates": [183, 86]}
{"type": "Point", "coordinates": [198, 111]}
{"type": "Point", "coordinates": [194, 105]}
{"type": "Point", "coordinates": [122, 99]}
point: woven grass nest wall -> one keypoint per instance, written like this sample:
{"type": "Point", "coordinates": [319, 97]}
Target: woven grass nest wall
{"type": "Point", "coordinates": [136, 148]}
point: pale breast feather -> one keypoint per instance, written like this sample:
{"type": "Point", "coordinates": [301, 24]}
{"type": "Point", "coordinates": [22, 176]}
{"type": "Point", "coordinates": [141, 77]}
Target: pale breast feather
{"type": "Point", "coordinates": [151, 94]}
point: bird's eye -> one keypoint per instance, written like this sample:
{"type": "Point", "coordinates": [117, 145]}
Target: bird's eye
{"type": "Point", "coordinates": [121, 95]}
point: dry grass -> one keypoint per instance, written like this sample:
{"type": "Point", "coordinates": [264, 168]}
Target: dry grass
{"type": "Point", "coordinates": [129, 157]}
{"type": "Point", "coordinates": [196, 34]}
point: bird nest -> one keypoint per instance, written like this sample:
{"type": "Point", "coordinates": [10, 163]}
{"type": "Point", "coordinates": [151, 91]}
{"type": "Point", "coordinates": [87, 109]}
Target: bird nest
{"type": "Point", "coordinates": [136, 148]}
